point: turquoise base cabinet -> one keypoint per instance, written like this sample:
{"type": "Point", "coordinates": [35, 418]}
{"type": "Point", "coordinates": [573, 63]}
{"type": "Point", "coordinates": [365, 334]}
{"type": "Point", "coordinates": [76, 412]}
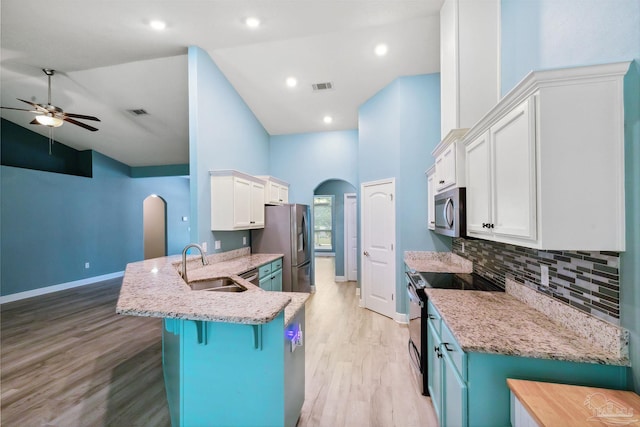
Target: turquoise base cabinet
{"type": "Point", "coordinates": [270, 276]}
{"type": "Point", "coordinates": [470, 389]}
{"type": "Point", "coordinates": [226, 374]}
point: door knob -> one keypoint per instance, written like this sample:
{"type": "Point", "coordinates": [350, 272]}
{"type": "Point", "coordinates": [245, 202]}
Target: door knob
{"type": "Point", "coordinates": [365, 253]}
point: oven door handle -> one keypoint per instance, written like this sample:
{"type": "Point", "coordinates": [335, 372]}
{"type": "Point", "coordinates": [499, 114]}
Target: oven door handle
{"type": "Point", "coordinates": [413, 297]}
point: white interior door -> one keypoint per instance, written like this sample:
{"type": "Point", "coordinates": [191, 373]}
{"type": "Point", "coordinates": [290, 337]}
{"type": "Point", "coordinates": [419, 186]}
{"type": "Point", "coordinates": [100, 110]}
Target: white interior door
{"type": "Point", "coordinates": [351, 236]}
{"type": "Point", "coordinates": [378, 243]}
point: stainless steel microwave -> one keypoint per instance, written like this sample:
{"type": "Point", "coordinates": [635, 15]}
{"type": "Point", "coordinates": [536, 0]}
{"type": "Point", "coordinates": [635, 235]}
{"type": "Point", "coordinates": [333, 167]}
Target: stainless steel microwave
{"type": "Point", "coordinates": [451, 218]}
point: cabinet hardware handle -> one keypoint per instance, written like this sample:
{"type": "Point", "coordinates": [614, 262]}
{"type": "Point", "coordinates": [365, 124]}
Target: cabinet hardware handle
{"type": "Point", "coordinates": [441, 181]}
{"type": "Point", "coordinates": [490, 225]}
{"type": "Point", "coordinates": [365, 253]}
{"type": "Point", "coordinates": [484, 225]}
{"type": "Point", "coordinates": [252, 222]}
{"type": "Point", "coordinates": [446, 346]}
{"type": "Point", "coordinates": [431, 316]}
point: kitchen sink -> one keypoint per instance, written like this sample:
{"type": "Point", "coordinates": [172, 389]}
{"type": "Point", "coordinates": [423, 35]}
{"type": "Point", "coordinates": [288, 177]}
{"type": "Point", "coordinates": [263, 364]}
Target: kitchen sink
{"type": "Point", "coordinates": [221, 284]}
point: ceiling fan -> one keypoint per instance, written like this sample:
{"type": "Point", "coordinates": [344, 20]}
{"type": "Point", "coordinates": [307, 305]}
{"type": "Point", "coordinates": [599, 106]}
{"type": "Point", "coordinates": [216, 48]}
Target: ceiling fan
{"type": "Point", "coordinates": [52, 116]}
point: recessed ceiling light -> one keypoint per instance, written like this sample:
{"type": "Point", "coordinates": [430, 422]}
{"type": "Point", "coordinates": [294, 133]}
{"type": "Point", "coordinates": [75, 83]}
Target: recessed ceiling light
{"type": "Point", "coordinates": [327, 119]}
{"type": "Point", "coordinates": [158, 25]}
{"type": "Point", "coordinates": [381, 49]}
{"type": "Point", "coordinates": [292, 82]}
{"type": "Point", "coordinates": [252, 22]}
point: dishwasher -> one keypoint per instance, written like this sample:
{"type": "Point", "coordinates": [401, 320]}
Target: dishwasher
{"type": "Point", "coordinates": [251, 276]}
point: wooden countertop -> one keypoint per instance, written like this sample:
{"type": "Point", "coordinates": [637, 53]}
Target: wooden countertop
{"type": "Point", "coordinates": [566, 405]}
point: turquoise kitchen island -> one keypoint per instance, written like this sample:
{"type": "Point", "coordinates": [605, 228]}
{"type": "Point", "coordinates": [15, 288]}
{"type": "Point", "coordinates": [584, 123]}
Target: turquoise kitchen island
{"type": "Point", "coordinates": [229, 358]}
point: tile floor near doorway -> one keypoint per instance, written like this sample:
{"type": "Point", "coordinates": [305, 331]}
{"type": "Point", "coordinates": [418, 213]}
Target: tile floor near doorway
{"type": "Point", "coordinates": [68, 360]}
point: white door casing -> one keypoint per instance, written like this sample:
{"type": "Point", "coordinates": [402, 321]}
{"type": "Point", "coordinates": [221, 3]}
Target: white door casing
{"type": "Point", "coordinates": [350, 236]}
{"type": "Point", "coordinates": [378, 246]}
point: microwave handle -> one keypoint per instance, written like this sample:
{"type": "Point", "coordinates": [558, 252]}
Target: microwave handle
{"type": "Point", "coordinates": [448, 220]}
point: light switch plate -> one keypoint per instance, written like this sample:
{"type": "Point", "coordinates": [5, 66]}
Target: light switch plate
{"type": "Point", "coordinates": [218, 244]}
{"type": "Point", "coordinates": [244, 240]}
{"type": "Point", "coordinates": [204, 246]}
{"type": "Point", "coordinates": [544, 275]}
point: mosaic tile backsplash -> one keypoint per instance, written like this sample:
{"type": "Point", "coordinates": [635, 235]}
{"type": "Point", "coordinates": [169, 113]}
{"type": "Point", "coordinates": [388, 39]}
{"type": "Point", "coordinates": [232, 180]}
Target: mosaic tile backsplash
{"type": "Point", "coordinates": [588, 281]}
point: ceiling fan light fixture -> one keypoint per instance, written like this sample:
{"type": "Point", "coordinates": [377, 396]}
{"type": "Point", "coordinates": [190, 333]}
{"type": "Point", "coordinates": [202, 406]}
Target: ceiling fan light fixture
{"type": "Point", "coordinates": [48, 120]}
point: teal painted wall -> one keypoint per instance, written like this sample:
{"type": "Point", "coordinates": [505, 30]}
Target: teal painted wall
{"type": "Point", "coordinates": [309, 159]}
{"type": "Point", "coordinates": [551, 34]}
{"type": "Point", "coordinates": [337, 188]}
{"type": "Point", "coordinates": [53, 223]}
{"type": "Point", "coordinates": [22, 148]}
{"type": "Point", "coordinates": [399, 127]}
{"type": "Point", "coordinates": [223, 134]}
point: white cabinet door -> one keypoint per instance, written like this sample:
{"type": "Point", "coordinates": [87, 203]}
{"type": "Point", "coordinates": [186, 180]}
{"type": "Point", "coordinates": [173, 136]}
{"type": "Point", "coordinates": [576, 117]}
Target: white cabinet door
{"type": "Point", "coordinates": [513, 173]}
{"type": "Point", "coordinates": [284, 194]}
{"type": "Point", "coordinates": [241, 202]}
{"type": "Point", "coordinates": [257, 205]}
{"type": "Point", "coordinates": [274, 192]}
{"type": "Point", "coordinates": [446, 168]}
{"type": "Point", "coordinates": [431, 206]}
{"type": "Point", "coordinates": [478, 186]}
{"type": "Point", "coordinates": [520, 417]}
{"type": "Point", "coordinates": [237, 201]}
{"type": "Point", "coordinates": [501, 178]}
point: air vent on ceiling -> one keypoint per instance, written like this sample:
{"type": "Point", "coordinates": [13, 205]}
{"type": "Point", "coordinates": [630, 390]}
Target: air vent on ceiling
{"type": "Point", "coordinates": [138, 112]}
{"type": "Point", "coordinates": [322, 86]}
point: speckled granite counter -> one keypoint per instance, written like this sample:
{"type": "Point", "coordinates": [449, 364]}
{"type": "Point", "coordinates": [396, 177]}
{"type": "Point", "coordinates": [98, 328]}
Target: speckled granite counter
{"type": "Point", "coordinates": [446, 262]}
{"type": "Point", "coordinates": [154, 288]}
{"type": "Point", "coordinates": [495, 322]}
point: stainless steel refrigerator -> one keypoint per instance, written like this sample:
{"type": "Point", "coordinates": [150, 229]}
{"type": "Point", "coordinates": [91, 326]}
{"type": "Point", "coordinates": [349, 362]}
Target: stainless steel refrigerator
{"type": "Point", "coordinates": [287, 230]}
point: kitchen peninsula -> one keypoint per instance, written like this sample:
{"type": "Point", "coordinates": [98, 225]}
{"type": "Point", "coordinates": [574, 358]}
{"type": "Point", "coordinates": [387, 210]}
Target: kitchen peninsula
{"type": "Point", "coordinates": [220, 347]}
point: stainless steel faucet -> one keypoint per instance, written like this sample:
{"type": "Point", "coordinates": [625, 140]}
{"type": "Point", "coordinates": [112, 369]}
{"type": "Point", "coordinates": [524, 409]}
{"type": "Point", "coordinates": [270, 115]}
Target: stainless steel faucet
{"type": "Point", "coordinates": [184, 259]}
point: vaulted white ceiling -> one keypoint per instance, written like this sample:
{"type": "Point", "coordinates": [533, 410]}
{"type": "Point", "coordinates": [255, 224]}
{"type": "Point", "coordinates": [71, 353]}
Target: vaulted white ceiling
{"type": "Point", "coordinates": [108, 60]}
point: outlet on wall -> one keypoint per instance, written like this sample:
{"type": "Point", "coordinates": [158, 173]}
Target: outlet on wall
{"type": "Point", "coordinates": [204, 246]}
{"type": "Point", "coordinates": [244, 240]}
{"type": "Point", "coordinates": [544, 275]}
{"type": "Point", "coordinates": [218, 244]}
{"type": "Point", "coordinates": [87, 265]}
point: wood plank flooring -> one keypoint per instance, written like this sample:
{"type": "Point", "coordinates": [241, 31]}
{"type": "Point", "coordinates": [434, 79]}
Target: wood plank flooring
{"type": "Point", "coordinates": [66, 359]}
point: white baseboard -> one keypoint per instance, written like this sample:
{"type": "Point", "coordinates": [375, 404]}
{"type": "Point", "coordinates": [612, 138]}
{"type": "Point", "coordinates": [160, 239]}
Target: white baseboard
{"type": "Point", "coordinates": [340, 279]}
{"type": "Point", "coordinates": [401, 318]}
{"type": "Point", "coordinates": [61, 287]}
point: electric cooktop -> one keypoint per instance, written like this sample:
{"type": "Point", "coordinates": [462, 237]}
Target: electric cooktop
{"type": "Point", "coordinates": [459, 281]}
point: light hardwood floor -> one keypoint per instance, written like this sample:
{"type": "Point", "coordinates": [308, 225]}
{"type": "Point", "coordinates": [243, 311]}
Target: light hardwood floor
{"type": "Point", "coordinates": [67, 359]}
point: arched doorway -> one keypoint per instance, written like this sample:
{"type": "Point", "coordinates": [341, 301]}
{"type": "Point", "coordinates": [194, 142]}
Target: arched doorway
{"type": "Point", "coordinates": [154, 210]}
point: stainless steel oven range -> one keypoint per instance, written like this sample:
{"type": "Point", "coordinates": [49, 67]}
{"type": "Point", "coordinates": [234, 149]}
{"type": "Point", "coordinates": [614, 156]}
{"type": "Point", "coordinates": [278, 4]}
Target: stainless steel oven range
{"type": "Point", "coordinates": [417, 282]}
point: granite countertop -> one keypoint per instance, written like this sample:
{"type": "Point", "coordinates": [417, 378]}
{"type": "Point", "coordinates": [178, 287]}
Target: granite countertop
{"type": "Point", "coordinates": [154, 288]}
{"type": "Point", "coordinates": [496, 322]}
{"type": "Point", "coordinates": [444, 262]}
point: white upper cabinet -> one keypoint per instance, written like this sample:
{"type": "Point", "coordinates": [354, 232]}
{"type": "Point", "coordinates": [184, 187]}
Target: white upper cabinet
{"type": "Point", "coordinates": [469, 43]}
{"type": "Point", "coordinates": [545, 167]}
{"type": "Point", "coordinates": [276, 190]}
{"type": "Point", "coordinates": [431, 203]}
{"type": "Point", "coordinates": [237, 201]}
{"type": "Point", "coordinates": [500, 165]}
{"type": "Point", "coordinates": [449, 161]}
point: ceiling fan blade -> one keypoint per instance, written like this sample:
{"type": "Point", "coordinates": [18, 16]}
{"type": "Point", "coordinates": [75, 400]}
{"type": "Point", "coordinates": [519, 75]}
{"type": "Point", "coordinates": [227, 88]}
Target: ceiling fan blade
{"type": "Point", "coordinates": [77, 123]}
{"type": "Point", "coordinates": [81, 116]}
{"type": "Point", "coordinates": [30, 103]}
{"type": "Point", "coordinates": [18, 109]}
